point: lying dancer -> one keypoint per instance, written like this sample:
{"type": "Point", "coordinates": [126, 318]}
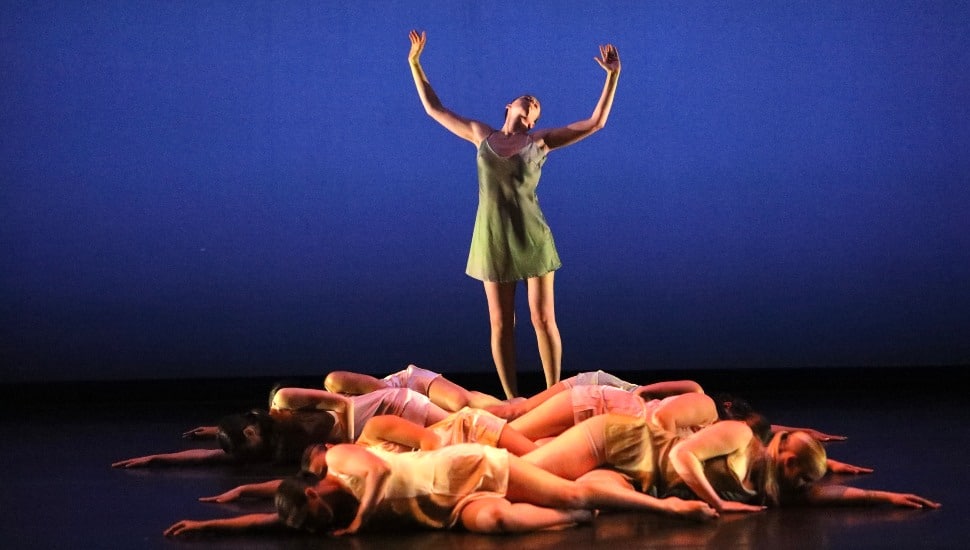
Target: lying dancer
{"type": "Point", "coordinates": [724, 464]}
{"type": "Point", "coordinates": [442, 391]}
{"type": "Point", "coordinates": [687, 411]}
{"type": "Point", "coordinates": [482, 489]}
{"type": "Point", "coordinates": [396, 434]}
{"type": "Point", "coordinates": [656, 390]}
{"type": "Point", "coordinates": [729, 407]}
{"type": "Point", "coordinates": [297, 418]}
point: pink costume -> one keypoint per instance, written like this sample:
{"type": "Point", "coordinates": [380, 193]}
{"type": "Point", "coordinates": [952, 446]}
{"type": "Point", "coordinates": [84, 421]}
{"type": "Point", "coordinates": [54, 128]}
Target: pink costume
{"type": "Point", "coordinates": [405, 403]}
{"type": "Point", "coordinates": [413, 378]}
{"type": "Point", "coordinates": [591, 400]}
{"type": "Point", "coordinates": [598, 378]}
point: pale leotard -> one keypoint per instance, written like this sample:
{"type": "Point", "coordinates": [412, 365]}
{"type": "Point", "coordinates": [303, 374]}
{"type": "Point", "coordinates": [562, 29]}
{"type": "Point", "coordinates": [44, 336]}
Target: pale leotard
{"type": "Point", "coordinates": [467, 425]}
{"type": "Point", "coordinates": [430, 488]}
{"type": "Point", "coordinates": [413, 378]}
{"type": "Point", "coordinates": [401, 402]}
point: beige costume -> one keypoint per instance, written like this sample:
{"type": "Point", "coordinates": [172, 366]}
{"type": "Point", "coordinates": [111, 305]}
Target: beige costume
{"type": "Point", "coordinates": [465, 426]}
{"type": "Point", "coordinates": [430, 488]}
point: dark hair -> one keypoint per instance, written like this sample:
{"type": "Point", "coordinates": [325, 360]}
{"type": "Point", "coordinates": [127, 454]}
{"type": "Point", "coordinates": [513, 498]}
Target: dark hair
{"type": "Point", "coordinates": [308, 455]}
{"type": "Point", "coordinates": [296, 430]}
{"type": "Point", "coordinates": [292, 505]}
{"type": "Point", "coordinates": [232, 437]}
{"type": "Point", "coordinates": [732, 407]}
{"type": "Point", "coordinates": [759, 425]}
{"type": "Point", "coordinates": [282, 441]}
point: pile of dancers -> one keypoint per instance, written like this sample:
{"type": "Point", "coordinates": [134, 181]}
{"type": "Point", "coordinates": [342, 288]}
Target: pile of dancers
{"type": "Point", "coordinates": [416, 449]}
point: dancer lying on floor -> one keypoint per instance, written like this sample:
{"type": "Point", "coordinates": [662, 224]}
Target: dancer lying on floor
{"type": "Point", "coordinates": [297, 417]}
{"type": "Point", "coordinates": [655, 390]}
{"type": "Point", "coordinates": [681, 414]}
{"type": "Point", "coordinates": [482, 489]}
{"type": "Point", "coordinates": [393, 433]}
{"type": "Point", "coordinates": [725, 464]}
{"type": "Point", "coordinates": [562, 410]}
{"type": "Point", "coordinates": [441, 391]}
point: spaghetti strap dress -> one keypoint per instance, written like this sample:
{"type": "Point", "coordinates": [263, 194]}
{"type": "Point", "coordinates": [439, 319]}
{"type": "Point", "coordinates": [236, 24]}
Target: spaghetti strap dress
{"type": "Point", "coordinates": [430, 488]}
{"type": "Point", "coordinates": [511, 240]}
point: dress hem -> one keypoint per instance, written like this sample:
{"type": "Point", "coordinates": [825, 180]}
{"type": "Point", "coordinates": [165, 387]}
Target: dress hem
{"type": "Point", "coordinates": [523, 278]}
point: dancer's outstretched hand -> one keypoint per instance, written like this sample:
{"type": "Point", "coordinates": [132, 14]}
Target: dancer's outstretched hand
{"type": "Point", "coordinates": [137, 462]}
{"type": "Point", "coordinates": [201, 432]}
{"type": "Point", "coordinates": [837, 467]}
{"type": "Point", "coordinates": [609, 58]}
{"type": "Point", "coordinates": [417, 45]}
{"type": "Point", "coordinates": [231, 495]}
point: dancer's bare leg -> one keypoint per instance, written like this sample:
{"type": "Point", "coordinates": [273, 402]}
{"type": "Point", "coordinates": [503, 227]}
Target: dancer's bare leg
{"type": "Point", "coordinates": [575, 444]}
{"type": "Point", "coordinates": [449, 395]}
{"type": "Point", "coordinates": [543, 311]}
{"type": "Point", "coordinates": [531, 484]}
{"type": "Point", "coordinates": [516, 443]}
{"type": "Point", "coordinates": [551, 418]}
{"type": "Point", "coordinates": [501, 315]}
{"type": "Point", "coordinates": [352, 383]}
{"type": "Point", "coordinates": [513, 410]}
{"type": "Point", "coordinates": [498, 515]}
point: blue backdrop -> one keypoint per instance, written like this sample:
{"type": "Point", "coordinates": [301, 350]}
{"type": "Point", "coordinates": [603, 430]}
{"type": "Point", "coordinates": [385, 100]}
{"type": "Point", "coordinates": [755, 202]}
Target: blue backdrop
{"type": "Point", "coordinates": [247, 188]}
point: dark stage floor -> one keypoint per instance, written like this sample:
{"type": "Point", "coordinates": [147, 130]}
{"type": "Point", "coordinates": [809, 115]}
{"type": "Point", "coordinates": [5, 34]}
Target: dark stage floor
{"type": "Point", "coordinates": [59, 491]}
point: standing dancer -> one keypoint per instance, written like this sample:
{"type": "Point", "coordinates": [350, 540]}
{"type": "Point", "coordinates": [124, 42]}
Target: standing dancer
{"type": "Point", "coordinates": [511, 241]}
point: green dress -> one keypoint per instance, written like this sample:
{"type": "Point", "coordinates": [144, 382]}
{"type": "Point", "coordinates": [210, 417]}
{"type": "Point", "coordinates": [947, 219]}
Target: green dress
{"type": "Point", "coordinates": [511, 240]}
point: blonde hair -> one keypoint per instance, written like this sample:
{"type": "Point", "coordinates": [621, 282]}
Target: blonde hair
{"type": "Point", "coordinates": [808, 451]}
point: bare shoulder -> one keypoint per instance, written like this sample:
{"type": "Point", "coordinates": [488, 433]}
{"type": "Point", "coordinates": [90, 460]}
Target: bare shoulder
{"type": "Point", "coordinates": [480, 132]}
{"type": "Point", "coordinates": [539, 139]}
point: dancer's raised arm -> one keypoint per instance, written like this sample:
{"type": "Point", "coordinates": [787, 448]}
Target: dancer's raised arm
{"type": "Point", "coordinates": [554, 138]}
{"type": "Point", "coordinates": [471, 130]}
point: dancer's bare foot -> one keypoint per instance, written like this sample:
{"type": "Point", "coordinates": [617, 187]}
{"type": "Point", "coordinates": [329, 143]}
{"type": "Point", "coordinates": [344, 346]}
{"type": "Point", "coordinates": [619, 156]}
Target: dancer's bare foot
{"type": "Point", "coordinates": [697, 510]}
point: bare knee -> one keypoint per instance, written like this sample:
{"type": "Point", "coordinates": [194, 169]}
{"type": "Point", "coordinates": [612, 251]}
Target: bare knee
{"type": "Point", "coordinates": [543, 321]}
{"type": "Point", "coordinates": [332, 382]}
{"type": "Point", "coordinates": [500, 324]}
{"type": "Point", "coordinates": [575, 496]}
{"type": "Point", "coordinates": [489, 516]}
{"type": "Point", "coordinates": [501, 319]}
